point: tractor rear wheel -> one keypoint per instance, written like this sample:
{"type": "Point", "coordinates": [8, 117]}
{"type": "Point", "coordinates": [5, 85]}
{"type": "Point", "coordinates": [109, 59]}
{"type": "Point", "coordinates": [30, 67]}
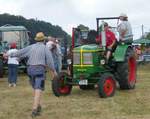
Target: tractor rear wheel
{"type": "Point", "coordinates": [106, 85]}
{"type": "Point", "coordinates": [127, 71]}
{"type": "Point", "coordinates": [86, 87]}
{"type": "Point", "coordinates": [60, 86]}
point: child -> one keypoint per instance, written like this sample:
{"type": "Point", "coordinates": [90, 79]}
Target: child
{"type": "Point", "coordinates": [12, 66]}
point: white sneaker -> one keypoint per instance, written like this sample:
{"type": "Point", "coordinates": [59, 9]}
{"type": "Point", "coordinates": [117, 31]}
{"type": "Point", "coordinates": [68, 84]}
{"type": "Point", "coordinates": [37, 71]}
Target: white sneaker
{"type": "Point", "coordinates": [14, 85]}
{"type": "Point", "coordinates": [10, 85]}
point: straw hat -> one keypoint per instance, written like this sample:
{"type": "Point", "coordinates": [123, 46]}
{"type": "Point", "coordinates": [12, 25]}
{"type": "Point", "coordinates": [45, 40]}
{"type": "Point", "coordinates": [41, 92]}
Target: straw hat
{"type": "Point", "coordinates": [40, 36]}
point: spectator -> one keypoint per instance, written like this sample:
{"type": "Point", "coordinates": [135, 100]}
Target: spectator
{"type": "Point", "coordinates": [38, 57]}
{"type": "Point", "coordinates": [56, 53]}
{"type": "Point", "coordinates": [59, 55]}
{"type": "Point", "coordinates": [70, 61]}
{"type": "Point", "coordinates": [138, 52]}
{"type": "Point", "coordinates": [12, 66]}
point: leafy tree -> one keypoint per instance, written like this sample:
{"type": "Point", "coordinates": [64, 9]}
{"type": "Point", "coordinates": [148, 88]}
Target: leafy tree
{"type": "Point", "coordinates": [82, 27]}
{"type": "Point", "coordinates": [148, 36]}
{"type": "Point", "coordinates": [34, 26]}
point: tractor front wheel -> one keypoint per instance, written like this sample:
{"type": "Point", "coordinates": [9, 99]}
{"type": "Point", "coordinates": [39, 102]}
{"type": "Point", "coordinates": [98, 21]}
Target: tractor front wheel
{"type": "Point", "coordinates": [106, 85]}
{"type": "Point", "coordinates": [60, 85]}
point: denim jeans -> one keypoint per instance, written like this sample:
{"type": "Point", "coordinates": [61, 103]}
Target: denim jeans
{"type": "Point", "coordinates": [12, 73]}
{"type": "Point", "coordinates": [37, 76]}
{"type": "Point", "coordinates": [56, 67]}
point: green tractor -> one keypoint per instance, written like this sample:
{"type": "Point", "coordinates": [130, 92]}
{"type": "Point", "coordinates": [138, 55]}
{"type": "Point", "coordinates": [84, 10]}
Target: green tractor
{"type": "Point", "coordinates": [8, 34]}
{"type": "Point", "coordinates": [89, 70]}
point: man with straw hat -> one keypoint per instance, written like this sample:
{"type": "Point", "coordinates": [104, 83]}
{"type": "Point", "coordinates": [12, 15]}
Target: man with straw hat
{"type": "Point", "coordinates": [38, 57]}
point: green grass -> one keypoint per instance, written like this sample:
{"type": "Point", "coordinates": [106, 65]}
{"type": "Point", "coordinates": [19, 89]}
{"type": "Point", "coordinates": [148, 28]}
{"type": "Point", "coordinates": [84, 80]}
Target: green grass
{"type": "Point", "coordinates": [16, 103]}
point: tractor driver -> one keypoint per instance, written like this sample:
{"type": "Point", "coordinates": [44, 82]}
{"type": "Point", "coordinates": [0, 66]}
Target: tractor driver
{"type": "Point", "coordinates": [124, 29]}
{"type": "Point", "coordinates": [110, 41]}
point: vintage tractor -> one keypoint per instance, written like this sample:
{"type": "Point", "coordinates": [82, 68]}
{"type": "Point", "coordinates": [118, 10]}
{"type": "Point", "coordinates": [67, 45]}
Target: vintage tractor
{"type": "Point", "coordinates": [9, 34]}
{"type": "Point", "coordinates": [89, 69]}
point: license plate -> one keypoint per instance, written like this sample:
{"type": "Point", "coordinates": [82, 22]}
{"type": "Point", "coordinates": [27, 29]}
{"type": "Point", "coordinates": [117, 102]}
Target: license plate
{"type": "Point", "coordinates": [83, 82]}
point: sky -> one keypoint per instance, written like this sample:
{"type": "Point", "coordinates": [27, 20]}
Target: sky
{"type": "Point", "coordinates": [71, 13]}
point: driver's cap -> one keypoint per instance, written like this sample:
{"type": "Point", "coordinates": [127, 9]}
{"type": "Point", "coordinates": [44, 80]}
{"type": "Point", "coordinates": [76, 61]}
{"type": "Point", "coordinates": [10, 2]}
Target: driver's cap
{"type": "Point", "coordinates": [123, 15]}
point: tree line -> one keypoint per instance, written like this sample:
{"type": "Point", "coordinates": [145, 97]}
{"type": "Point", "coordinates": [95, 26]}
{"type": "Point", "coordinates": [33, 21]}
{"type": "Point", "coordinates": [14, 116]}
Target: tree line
{"type": "Point", "coordinates": [34, 26]}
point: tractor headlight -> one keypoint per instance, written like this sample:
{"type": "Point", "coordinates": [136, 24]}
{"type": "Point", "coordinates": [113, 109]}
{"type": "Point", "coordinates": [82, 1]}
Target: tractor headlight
{"type": "Point", "coordinates": [87, 58]}
{"type": "Point", "coordinates": [102, 62]}
{"type": "Point", "coordinates": [76, 58]}
{"type": "Point", "coordinates": [69, 61]}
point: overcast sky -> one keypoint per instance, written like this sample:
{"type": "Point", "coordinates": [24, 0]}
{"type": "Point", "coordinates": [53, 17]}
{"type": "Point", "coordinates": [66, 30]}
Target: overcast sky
{"type": "Point", "coordinates": [69, 13]}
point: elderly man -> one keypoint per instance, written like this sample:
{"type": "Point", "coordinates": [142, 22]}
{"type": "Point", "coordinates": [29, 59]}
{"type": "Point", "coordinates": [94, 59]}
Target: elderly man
{"type": "Point", "coordinates": [124, 29]}
{"type": "Point", "coordinates": [38, 57]}
{"type": "Point", "coordinates": [54, 47]}
{"type": "Point", "coordinates": [59, 55]}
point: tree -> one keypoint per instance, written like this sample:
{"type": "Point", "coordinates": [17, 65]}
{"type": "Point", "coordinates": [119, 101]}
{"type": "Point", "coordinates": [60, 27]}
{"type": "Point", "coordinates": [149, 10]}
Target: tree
{"type": "Point", "coordinates": [82, 27]}
{"type": "Point", "coordinates": [148, 36]}
{"type": "Point", "coordinates": [34, 26]}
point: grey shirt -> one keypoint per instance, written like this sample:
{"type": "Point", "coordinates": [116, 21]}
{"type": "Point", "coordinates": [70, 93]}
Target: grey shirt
{"type": "Point", "coordinates": [125, 26]}
{"type": "Point", "coordinates": [37, 54]}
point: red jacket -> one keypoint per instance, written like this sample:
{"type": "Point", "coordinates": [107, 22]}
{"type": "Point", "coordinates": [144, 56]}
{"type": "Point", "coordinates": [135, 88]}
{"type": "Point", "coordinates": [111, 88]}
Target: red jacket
{"type": "Point", "coordinates": [110, 37]}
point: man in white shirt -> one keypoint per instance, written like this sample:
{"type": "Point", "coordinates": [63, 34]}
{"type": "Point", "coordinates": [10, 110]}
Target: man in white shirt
{"type": "Point", "coordinates": [54, 47]}
{"type": "Point", "coordinates": [59, 55]}
{"type": "Point", "coordinates": [124, 28]}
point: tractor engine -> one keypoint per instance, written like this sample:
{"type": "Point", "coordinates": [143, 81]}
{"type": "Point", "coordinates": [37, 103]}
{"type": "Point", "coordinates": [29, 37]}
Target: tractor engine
{"type": "Point", "coordinates": [88, 60]}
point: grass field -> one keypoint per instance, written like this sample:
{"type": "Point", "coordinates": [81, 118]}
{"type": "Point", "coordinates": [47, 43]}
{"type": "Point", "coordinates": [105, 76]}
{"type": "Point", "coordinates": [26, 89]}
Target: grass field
{"type": "Point", "coordinates": [16, 103]}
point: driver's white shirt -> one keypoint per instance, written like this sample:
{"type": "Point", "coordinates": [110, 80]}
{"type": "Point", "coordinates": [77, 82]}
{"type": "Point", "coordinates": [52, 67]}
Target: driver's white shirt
{"type": "Point", "coordinates": [125, 26]}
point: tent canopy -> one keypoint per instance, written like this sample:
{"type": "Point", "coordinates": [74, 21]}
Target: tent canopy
{"type": "Point", "coordinates": [8, 27]}
{"type": "Point", "coordinates": [141, 41]}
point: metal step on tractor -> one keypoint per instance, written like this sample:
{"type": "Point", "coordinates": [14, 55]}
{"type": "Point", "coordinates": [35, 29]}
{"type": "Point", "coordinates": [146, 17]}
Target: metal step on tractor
{"type": "Point", "coordinates": [88, 68]}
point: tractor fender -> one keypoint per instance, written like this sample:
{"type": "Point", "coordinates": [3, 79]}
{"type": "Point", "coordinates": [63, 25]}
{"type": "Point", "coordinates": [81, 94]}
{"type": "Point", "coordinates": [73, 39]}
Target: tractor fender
{"type": "Point", "coordinates": [120, 52]}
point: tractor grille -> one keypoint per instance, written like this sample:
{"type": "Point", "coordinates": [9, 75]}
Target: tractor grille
{"type": "Point", "coordinates": [76, 58]}
{"type": "Point", "coordinates": [87, 58]}
{"type": "Point", "coordinates": [84, 58]}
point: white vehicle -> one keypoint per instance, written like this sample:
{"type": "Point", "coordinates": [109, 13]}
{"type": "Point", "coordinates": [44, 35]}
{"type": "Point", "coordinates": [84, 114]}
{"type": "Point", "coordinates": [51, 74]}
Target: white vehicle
{"type": "Point", "coordinates": [9, 34]}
